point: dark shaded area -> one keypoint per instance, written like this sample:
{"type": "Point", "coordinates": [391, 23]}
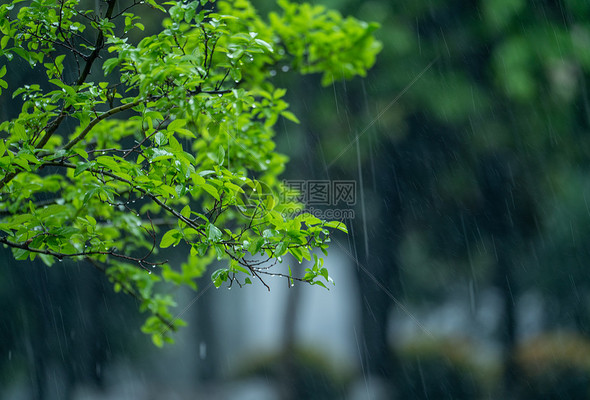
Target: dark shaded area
{"type": "Point", "coordinates": [482, 161]}
{"type": "Point", "coordinates": [64, 326]}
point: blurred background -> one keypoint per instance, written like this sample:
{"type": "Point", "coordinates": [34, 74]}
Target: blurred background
{"type": "Point", "coordinates": [466, 272]}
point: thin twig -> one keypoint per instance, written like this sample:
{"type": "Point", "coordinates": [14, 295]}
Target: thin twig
{"type": "Point", "coordinates": [96, 120]}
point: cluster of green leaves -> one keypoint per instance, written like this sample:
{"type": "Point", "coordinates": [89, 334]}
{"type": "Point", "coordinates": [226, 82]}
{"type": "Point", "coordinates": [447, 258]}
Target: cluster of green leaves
{"type": "Point", "coordinates": [193, 141]}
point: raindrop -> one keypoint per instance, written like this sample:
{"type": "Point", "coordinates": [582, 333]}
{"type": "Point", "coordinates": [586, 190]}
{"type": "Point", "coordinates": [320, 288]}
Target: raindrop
{"type": "Point", "coordinates": [285, 68]}
{"type": "Point", "coordinates": [273, 72]}
{"type": "Point", "coordinates": [220, 95]}
{"type": "Point", "coordinates": [149, 272]}
{"type": "Point", "coordinates": [154, 266]}
{"type": "Point", "coordinates": [229, 288]}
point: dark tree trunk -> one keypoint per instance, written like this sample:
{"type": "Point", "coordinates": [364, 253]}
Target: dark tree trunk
{"type": "Point", "coordinates": [508, 216]}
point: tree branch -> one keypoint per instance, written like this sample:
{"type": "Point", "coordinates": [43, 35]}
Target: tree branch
{"type": "Point", "coordinates": [99, 44]}
{"type": "Point", "coordinates": [96, 120]}
{"type": "Point", "coordinates": [52, 127]}
{"type": "Point", "coordinates": [61, 256]}
{"type": "Point", "coordinates": [154, 198]}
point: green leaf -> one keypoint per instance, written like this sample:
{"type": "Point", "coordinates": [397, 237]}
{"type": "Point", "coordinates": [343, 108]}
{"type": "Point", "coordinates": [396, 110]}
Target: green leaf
{"type": "Point", "coordinates": [219, 250]}
{"type": "Point", "coordinates": [297, 253]}
{"type": "Point", "coordinates": [213, 233]}
{"type": "Point", "coordinates": [83, 167]}
{"type": "Point", "coordinates": [109, 65]}
{"type": "Point", "coordinates": [172, 237]}
{"type": "Point", "coordinates": [158, 340]}
{"type": "Point", "coordinates": [320, 283]}
{"type": "Point", "coordinates": [220, 155]}
{"type": "Point", "coordinates": [82, 153]}
{"type": "Point", "coordinates": [280, 249]}
{"type": "Point", "coordinates": [338, 225]}
{"type": "Point", "coordinates": [237, 267]}
{"type": "Point", "coordinates": [176, 124]}
{"type": "Point", "coordinates": [186, 212]}
{"type": "Point", "coordinates": [211, 190]}
{"type": "Point", "coordinates": [160, 154]}
{"type": "Point", "coordinates": [256, 246]}
{"type": "Point", "coordinates": [264, 44]}
{"type": "Point", "coordinates": [160, 138]}
{"type": "Point", "coordinates": [108, 162]}
{"type": "Point", "coordinates": [20, 254]}
{"type": "Point", "coordinates": [19, 131]}
{"type": "Point", "coordinates": [69, 90]}
{"type": "Point", "coordinates": [290, 116]}
{"type": "Point", "coordinates": [219, 276]}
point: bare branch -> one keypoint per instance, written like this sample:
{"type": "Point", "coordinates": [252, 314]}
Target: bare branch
{"type": "Point", "coordinates": [142, 262]}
